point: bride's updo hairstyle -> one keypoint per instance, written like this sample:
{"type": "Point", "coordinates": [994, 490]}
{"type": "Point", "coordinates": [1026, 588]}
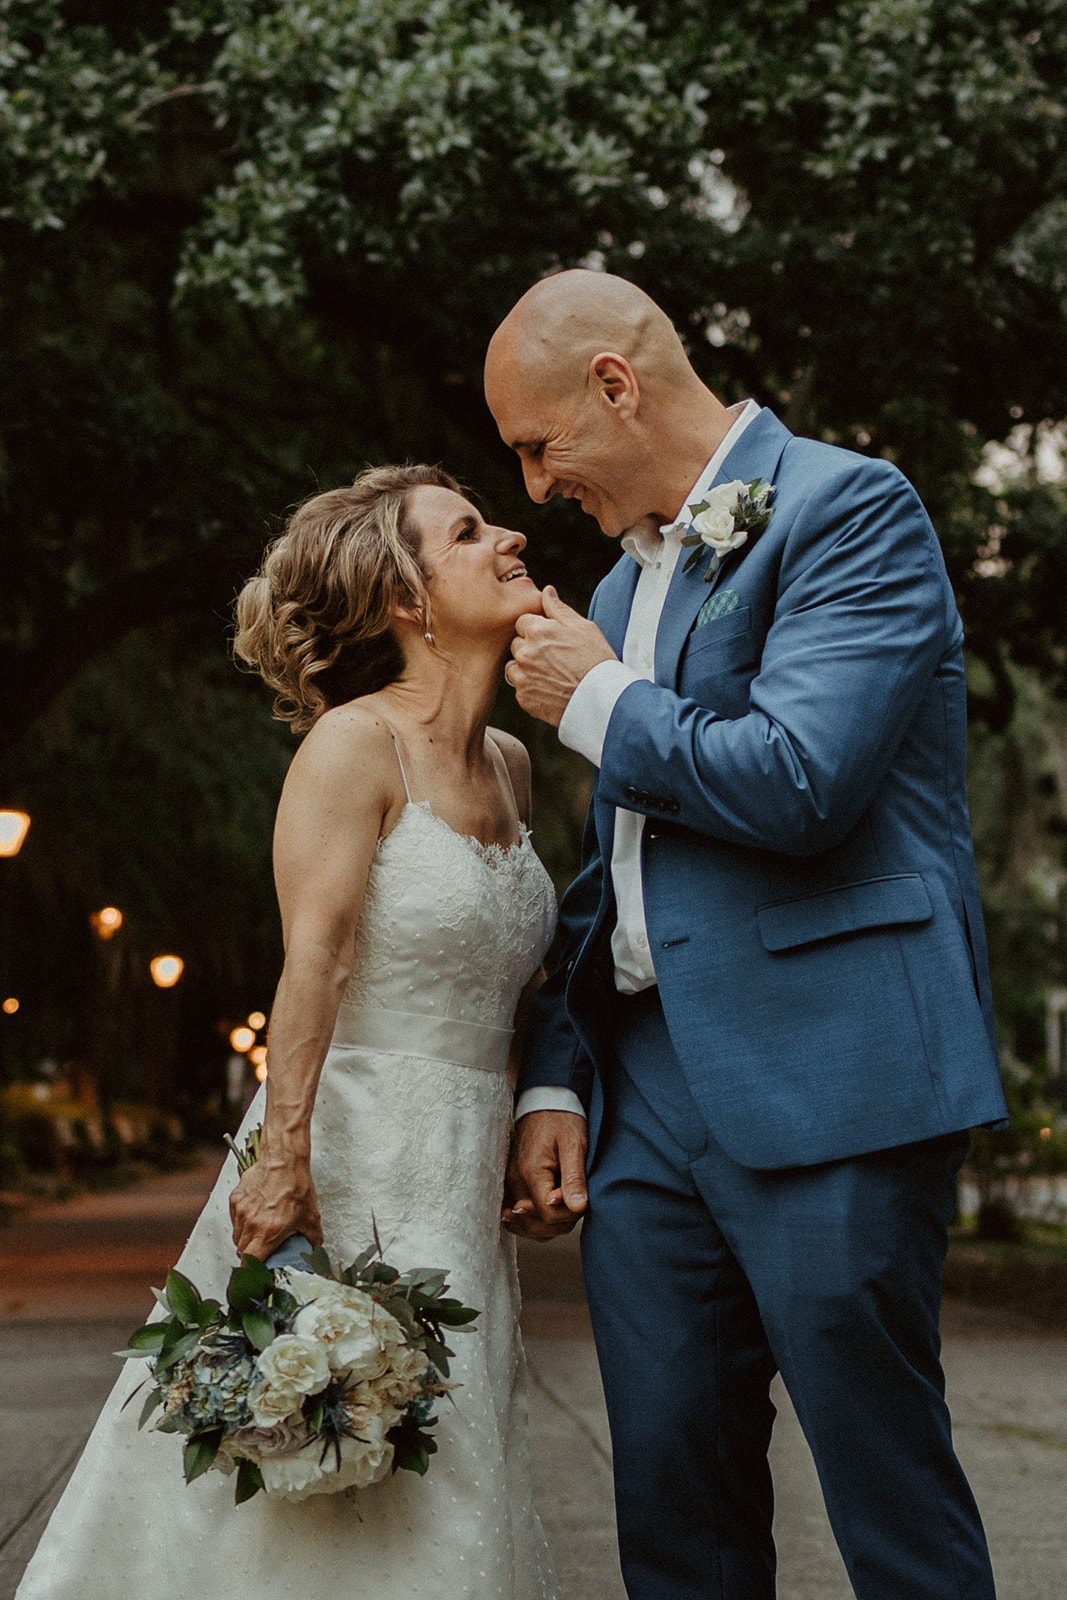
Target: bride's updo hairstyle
{"type": "Point", "coordinates": [315, 620]}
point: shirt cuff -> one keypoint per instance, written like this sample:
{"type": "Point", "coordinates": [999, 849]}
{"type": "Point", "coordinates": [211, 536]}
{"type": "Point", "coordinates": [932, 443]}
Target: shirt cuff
{"type": "Point", "coordinates": [584, 724]}
{"type": "Point", "coordinates": [548, 1098]}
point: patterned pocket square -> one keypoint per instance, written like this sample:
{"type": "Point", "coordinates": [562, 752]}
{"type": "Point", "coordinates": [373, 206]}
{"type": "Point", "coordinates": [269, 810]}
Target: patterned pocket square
{"type": "Point", "coordinates": [719, 604]}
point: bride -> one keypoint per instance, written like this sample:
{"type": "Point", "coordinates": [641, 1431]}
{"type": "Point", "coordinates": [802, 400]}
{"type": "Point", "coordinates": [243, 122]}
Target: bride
{"type": "Point", "coordinates": [415, 914]}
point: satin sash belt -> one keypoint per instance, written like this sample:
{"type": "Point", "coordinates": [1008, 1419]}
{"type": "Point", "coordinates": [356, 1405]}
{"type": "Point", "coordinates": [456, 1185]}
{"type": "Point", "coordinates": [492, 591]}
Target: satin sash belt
{"type": "Point", "coordinates": [415, 1033]}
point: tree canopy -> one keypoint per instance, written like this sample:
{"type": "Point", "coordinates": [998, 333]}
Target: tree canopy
{"type": "Point", "coordinates": [247, 246]}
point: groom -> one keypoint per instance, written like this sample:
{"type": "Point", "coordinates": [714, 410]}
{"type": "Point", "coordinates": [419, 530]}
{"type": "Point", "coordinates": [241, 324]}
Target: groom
{"type": "Point", "coordinates": [773, 1004]}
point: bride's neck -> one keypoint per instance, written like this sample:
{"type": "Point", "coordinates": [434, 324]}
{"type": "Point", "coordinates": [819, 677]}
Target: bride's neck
{"type": "Point", "coordinates": [452, 696]}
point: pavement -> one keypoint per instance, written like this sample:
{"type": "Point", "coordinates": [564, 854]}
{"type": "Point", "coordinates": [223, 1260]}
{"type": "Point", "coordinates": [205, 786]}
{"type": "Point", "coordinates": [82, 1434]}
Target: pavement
{"type": "Point", "coordinates": [74, 1280]}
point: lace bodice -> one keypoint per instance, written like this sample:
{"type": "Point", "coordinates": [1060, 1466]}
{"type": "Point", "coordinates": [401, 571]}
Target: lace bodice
{"type": "Point", "coordinates": [450, 927]}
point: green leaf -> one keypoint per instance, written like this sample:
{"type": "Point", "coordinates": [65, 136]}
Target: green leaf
{"type": "Point", "coordinates": [249, 1481]}
{"type": "Point", "coordinates": [428, 1280]}
{"type": "Point", "coordinates": [176, 1352]}
{"type": "Point", "coordinates": [200, 1452]}
{"type": "Point", "coordinates": [150, 1337]}
{"type": "Point", "coordinates": [412, 1450]}
{"type": "Point", "coordinates": [152, 1400]}
{"type": "Point", "coordinates": [183, 1297]}
{"type": "Point", "coordinates": [258, 1328]}
{"type": "Point", "coordinates": [167, 1425]}
{"type": "Point", "coordinates": [248, 1284]}
{"type": "Point", "coordinates": [210, 1312]}
{"type": "Point", "coordinates": [321, 1263]}
{"type": "Point", "coordinates": [456, 1316]}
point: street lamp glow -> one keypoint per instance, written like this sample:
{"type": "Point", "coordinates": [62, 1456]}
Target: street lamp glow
{"type": "Point", "coordinates": [11, 1005]}
{"type": "Point", "coordinates": [14, 826]}
{"type": "Point", "coordinates": [166, 970]}
{"type": "Point", "coordinates": [256, 1020]}
{"type": "Point", "coordinates": [261, 1072]}
{"type": "Point", "coordinates": [242, 1039]}
{"type": "Point", "coordinates": [258, 1057]}
{"type": "Point", "coordinates": [106, 923]}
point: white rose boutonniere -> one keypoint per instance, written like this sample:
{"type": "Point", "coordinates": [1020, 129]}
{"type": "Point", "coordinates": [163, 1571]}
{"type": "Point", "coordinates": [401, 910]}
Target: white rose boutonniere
{"type": "Point", "coordinates": [732, 514]}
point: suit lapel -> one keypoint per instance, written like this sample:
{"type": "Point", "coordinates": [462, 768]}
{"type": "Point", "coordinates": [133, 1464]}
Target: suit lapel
{"type": "Point", "coordinates": [612, 612]}
{"type": "Point", "coordinates": [755, 455]}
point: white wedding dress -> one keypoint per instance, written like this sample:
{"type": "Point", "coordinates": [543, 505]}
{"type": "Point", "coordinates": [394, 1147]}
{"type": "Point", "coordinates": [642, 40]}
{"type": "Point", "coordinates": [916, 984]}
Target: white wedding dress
{"type": "Point", "coordinates": [411, 1123]}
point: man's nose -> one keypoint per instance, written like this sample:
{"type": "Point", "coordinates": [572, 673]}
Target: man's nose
{"type": "Point", "coordinates": [511, 539]}
{"type": "Point", "coordinates": [539, 483]}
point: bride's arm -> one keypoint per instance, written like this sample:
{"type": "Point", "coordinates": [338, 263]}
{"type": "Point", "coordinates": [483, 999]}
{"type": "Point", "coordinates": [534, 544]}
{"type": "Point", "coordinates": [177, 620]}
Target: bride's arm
{"type": "Point", "coordinates": [338, 799]}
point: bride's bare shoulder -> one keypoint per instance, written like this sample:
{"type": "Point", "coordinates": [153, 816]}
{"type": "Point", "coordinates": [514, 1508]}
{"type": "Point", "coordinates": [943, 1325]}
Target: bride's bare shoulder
{"type": "Point", "coordinates": [348, 741]}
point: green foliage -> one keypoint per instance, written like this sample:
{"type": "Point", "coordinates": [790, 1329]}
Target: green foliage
{"type": "Point", "coordinates": [246, 248]}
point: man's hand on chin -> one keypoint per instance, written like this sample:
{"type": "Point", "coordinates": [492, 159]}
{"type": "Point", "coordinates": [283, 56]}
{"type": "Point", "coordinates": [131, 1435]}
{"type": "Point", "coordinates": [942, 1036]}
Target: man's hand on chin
{"type": "Point", "coordinates": [544, 1190]}
{"type": "Point", "coordinates": [551, 655]}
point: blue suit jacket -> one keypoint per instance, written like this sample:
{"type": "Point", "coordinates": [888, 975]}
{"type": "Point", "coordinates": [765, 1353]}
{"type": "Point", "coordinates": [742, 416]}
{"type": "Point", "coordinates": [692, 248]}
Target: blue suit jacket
{"type": "Point", "coordinates": [810, 890]}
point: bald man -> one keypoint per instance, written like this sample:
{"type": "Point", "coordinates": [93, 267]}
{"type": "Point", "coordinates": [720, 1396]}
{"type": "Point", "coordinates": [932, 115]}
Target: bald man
{"type": "Point", "coordinates": [773, 1006]}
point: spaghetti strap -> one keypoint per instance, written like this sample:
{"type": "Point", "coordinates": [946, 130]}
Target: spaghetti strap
{"type": "Point", "coordinates": [400, 764]}
{"type": "Point", "coordinates": [399, 759]}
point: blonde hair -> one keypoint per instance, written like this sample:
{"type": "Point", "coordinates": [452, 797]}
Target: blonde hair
{"type": "Point", "coordinates": [316, 619]}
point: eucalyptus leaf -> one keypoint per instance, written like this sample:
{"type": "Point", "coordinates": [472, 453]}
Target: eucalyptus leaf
{"type": "Point", "coordinates": [152, 1400]}
{"type": "Point", "coordinates": [150, 1337]}
{"type": "Point", "coordinates": [175, 1352]}
{"type": "Point", "coordinates": [248, 1284]}
{"type": "Point", "coordinates": [200, 1452]}
{"type": "Point", "coordinates": [258, 1328]}
{"type": "Point", "coordinates": [249, 1481]}
{"type": "Point", "coordinates": [182, 1297]}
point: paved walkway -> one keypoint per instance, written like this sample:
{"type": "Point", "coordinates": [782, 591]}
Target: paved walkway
{"type": "Point", "coordinates": [73, 1283]}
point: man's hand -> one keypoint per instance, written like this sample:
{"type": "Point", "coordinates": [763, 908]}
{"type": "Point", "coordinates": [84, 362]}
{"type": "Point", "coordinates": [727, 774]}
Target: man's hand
{"type": "Point", "coordinates": [544, 1191]}
{"type": "Point", "coordinates": [552, 654]}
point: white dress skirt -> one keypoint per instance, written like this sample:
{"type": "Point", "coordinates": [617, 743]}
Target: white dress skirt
{"type": "Point", "coordinates": [411, 1124]}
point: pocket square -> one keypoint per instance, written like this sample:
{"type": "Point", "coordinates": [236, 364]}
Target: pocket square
{"type": "Point", "coordinates": [719, 604]}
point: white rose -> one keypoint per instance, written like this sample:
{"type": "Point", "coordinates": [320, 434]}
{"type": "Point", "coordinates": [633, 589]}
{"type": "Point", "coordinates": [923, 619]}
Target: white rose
{"type": "Point", "coordinates": [357, 1335]}
{"type": "Point", "coordinates": [715, 524]}
{"type": "Point", "coordinates": [289, 1368]}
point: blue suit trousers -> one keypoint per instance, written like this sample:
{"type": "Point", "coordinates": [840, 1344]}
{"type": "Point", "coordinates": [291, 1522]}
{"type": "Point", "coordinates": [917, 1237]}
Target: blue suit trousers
{"type": "Point", "coordinates": [704, 1278]}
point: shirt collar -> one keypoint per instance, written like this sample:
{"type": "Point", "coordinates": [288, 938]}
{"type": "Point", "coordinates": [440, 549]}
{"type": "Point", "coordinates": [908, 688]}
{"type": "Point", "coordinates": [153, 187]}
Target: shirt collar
{"type": "Point", "coordinates": [646, 540]}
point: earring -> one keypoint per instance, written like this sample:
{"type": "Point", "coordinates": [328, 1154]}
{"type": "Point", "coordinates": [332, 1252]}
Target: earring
{"type": "Point", "coordinates": [430, 640]}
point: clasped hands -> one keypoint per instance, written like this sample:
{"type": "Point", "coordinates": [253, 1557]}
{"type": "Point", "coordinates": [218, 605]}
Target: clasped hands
{"type": "Point", "coordinates": [544, 1189]}
{"type": "Point", "coordinates": [551, 654]}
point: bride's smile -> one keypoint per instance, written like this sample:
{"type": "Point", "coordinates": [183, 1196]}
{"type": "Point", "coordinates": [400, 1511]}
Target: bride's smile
{"type": "Point", "coordinates": [475, 576]}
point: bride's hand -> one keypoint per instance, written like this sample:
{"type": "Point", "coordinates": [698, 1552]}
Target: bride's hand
{"type": "Point", "coordinates": [273, 1200]}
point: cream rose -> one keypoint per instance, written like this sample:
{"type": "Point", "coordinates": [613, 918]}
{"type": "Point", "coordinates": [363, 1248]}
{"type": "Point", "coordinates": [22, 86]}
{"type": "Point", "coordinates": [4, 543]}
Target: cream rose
{"type": "Point", "coordinates": [289, 1368]}
{"type": "Point", "coordinates": [715, 524]}
{"type": "Point", "coordinates": [405, 1377]}
{"type": "Point", "coordinates": [364, 1461]}
{"type": "Point", "coordinates": [356, 1334]}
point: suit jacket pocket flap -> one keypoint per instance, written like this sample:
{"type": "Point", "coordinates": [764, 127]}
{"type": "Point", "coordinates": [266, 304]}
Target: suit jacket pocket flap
{"type": "Point", "coordinates": [873, 903]}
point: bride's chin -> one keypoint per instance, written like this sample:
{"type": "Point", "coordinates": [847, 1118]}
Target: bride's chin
{"type": "Point", "coordinates": [531, 602]}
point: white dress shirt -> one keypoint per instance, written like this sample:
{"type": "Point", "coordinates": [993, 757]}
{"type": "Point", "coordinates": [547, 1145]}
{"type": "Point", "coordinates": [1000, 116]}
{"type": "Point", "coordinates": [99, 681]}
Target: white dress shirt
{"type": "Point", "coordinates": [584, 727]}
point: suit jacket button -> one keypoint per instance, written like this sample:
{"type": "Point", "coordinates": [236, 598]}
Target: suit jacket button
{"type": "Point", "coordinates": [631, 793]}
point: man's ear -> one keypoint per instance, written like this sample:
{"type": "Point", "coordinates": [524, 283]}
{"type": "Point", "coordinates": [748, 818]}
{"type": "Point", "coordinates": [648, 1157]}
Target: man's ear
{"type": "Point", "coordinates": [613, 381]}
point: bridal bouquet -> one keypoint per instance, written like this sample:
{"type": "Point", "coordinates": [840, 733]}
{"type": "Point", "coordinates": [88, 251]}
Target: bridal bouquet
{"type": "Point", "coordinates": [305, 1382]}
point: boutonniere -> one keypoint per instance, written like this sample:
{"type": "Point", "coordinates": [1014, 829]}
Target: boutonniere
{"type": "Point", "coordinates": [732, 514]}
